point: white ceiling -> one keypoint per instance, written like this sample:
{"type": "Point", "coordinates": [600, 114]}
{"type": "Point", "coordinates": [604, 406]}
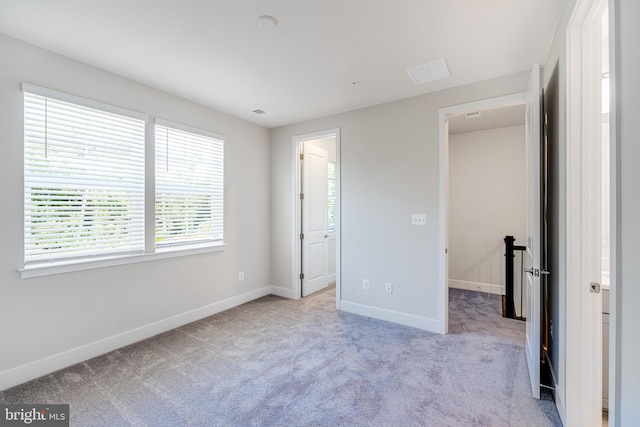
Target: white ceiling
{"type": "Point", "coordinates": [213, 52]}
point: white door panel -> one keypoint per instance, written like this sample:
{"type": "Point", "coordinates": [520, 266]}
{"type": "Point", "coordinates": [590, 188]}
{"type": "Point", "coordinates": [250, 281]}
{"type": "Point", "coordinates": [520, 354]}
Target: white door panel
{"type": "Point", "coordinates": [533, 252]}
{"type": "Point", "coordinates": [314, 220]}
{"type": "Point", "coordinates": [316, 261]}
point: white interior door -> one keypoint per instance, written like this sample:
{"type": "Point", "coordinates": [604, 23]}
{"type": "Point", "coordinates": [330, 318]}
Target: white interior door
{"type": "Point", "coordinates": [314, 220]}
{"type": "Point", "coordinates": [532, 254]}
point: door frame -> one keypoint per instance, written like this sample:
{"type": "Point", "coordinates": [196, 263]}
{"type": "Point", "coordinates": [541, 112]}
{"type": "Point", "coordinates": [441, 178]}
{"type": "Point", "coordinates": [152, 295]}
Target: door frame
{"type": "Point", "coordinates": [583, 309]}
{"type": "Point", "coordinates": [296, 246]}
{"type": "Point", "coordinates": [443, 126]}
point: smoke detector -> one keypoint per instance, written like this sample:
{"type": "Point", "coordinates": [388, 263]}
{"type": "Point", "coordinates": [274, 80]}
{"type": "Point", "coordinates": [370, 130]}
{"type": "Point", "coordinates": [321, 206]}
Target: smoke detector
{"type": "Point", "coordinates": [267, 22]}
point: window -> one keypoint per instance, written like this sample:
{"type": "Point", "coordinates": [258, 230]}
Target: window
{"type": "Point", "coordinates": [83, 178]}
{"type": "Point", "coordinates": [189, 186]}
{"type": "Point", "coordinates": [85, 189]}
{"type": "Point", "coordinates": [331, 223]}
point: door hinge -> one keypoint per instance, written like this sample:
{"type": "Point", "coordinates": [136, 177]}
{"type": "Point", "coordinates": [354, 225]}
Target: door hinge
{"type": "Point", "coordinates": [301, 156]}
{"type": "Point", "coordinates": [301, 236]}
{"type": "Point", "coordinates": [301, 276]}
{"type": "Point", "coordinates": [301, 196]}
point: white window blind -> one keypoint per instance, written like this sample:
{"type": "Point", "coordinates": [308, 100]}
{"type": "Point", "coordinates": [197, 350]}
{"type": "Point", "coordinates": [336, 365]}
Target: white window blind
{"type": "Point", "coordinates": [84, 178]}
{"type": "Point", "coordinates": [189, 185]}
{"type": "Point", "coordinates": [331, 192]}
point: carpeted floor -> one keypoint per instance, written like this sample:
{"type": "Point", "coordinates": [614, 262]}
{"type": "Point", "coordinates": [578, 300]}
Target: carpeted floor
{"type": "Point", "coordinates": [278, 362]}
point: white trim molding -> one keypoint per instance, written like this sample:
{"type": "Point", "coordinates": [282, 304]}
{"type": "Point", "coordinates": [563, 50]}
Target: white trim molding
{"type": "Point", "coordinates": [476, 286]}
{"type": "Point", "coordinates": [283, 292]}
{"type": "Point", "coordinates": [425, 323]}
{"type": "Point", "coordinates": [583, 309]}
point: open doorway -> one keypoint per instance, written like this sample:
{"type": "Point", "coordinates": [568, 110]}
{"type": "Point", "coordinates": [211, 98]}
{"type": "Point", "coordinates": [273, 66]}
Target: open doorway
{"type": "Point", "coordinates": [533, 251]}
{"type": "Point", "coordinates": [535, 173]}
{"type": "Point", "coordinates": [480, 272]}
{"type": "Point", "coordinates": [316, 255]}
{"type": "Point", "coordinates": [487, 188]}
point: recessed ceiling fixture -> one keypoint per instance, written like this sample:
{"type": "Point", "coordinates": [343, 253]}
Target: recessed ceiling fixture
{"type": "Point", "coordinates": [428, 72]}
{"type": "Point", "coordinates": [472, 115]}
{"type": "Point", "coordinates": [262, 113]}
{"type": "Point", "coordinates": [267, 22]}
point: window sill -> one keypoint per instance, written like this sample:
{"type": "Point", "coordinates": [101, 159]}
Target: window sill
{"type": "Point", "coordinates": [71, 266]}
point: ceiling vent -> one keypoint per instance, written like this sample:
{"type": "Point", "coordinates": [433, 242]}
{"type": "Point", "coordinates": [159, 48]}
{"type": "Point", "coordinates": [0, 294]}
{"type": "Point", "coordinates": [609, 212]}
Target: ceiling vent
{"type": "Point", "coordinates": [428, 72]}
{"type": "Point", "coordinates": [262, 113]}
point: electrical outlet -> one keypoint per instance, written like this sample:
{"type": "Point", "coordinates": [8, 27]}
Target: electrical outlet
{"type": "Point", "coordinates": [419, 219]}
{"type": "Point", "coordinates": [241, 276]}
{"type": "Point", "coordinates": [388, 287]}
{"type": "Point", "coordinates": [365, 283]}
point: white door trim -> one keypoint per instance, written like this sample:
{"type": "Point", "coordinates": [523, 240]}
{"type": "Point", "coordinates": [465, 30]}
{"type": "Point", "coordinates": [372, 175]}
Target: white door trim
{"type": "Point", "coordinates": [443, 126]}
{"type": "Point", "coordinates": [583, 357]}
{"type": "Point", "coordinates": [295, 210]}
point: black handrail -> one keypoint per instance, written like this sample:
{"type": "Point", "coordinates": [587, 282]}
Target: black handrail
{"type": "Point", "coordinates": [509, 306]}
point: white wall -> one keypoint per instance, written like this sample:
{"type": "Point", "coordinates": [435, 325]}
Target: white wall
{"type": "Point", "coordinates": [389, 170]}
{"type": "Point", "coordinates": [49, 322]}
{"type": "Point", "coordinates": [486, 203]}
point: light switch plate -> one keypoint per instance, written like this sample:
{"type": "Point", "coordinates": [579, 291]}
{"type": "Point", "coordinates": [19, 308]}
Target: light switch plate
{"type": "Point", "coordinates": [419, 219]}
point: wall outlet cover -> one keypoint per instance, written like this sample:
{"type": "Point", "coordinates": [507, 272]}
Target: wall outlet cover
{"type": "Point", "coordinates": [419, 219]}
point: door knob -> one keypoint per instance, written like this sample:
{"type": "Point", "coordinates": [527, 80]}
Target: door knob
{"type": "Point", "coordinates": [536, 272]}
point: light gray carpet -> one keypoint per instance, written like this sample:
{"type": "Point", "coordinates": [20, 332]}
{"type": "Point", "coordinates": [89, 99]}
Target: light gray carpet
{"type": "Point", "coordinates": [277, 362]}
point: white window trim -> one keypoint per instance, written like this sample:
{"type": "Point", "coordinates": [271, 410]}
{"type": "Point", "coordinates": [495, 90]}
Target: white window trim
{"type": "Point", "coordinates": [50, 93]}
{"type": "Point", "coordinates": [152, 252]}
{"type": "Point", "coordinates": [90, 264]}
{"type": "Point", "coordinates": [190, 129]}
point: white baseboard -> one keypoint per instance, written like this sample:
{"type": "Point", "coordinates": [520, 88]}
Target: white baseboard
{"type": "Point", "coordinates": [282, 292]}
{"type": "Point", "coordinates": [560, 405]}
{"type": "Point", "coordinates": [557, 392]}
{"type": "Point", "coordinates": [38, 368]}
{"type": "Point", "coordinates": [476, 286]}
{"type": "Point", "coordinates": [431, 325]}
